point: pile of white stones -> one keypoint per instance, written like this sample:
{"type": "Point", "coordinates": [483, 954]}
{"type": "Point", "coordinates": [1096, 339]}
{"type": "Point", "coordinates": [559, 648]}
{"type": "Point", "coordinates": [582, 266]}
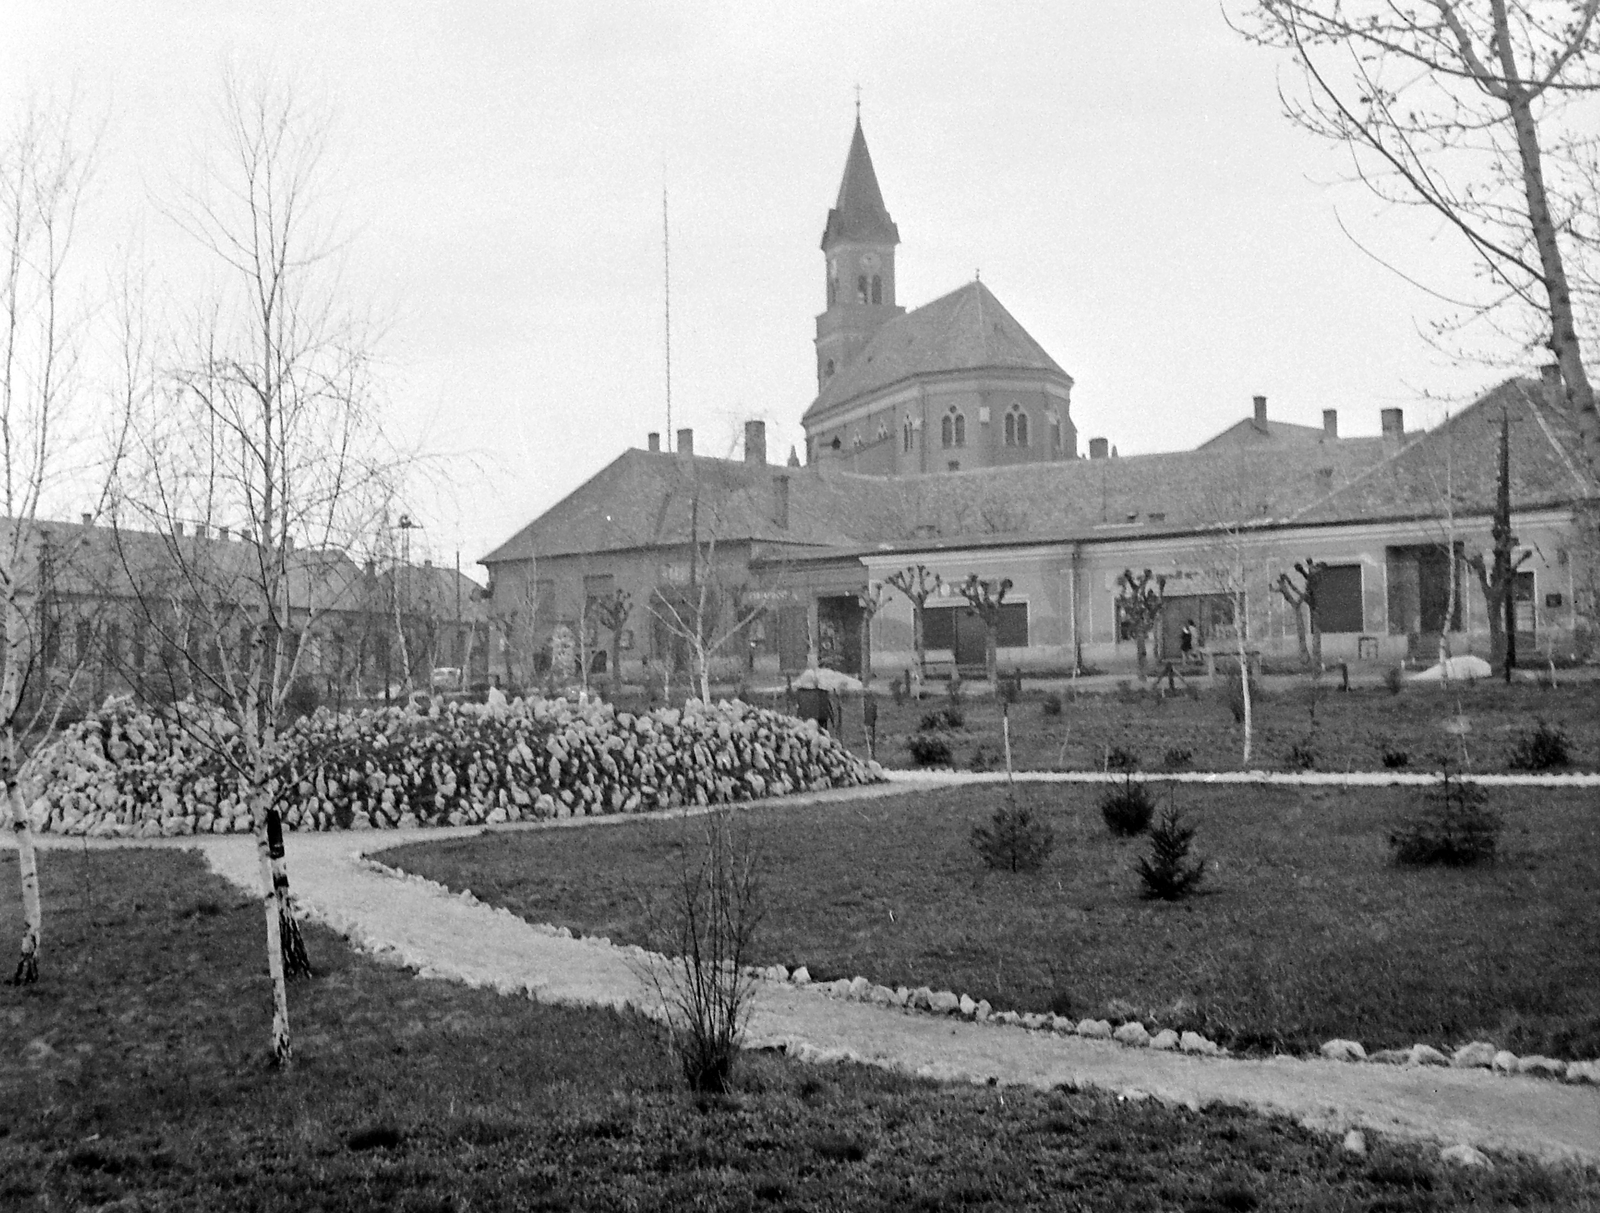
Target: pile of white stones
{"type": "Point", "coordinates": [1476, 1055]}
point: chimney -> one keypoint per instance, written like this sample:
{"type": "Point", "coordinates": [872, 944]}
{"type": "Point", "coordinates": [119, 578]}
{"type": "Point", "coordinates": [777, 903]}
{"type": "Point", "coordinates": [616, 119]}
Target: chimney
{"type": "Point", "coordinates": [88, 518]}
{"type": "Point", "coordinates": [780, 502]}
{"type": "Point", "coordinates": [755, 442]}
{"type": "Point", "coordinates": [1261, 409]}
{"type": "Point", "coordinates": [288, 543]}
{"type": "Point", "coordinates": [199, 530]}
{"type": "Point", "coordinates": [371, 567]}
{"type": "Point", "coordinates": [654, 439]}
{"type": "Point", "coordinates": [1394, 422]}
{"type": "Point", "coordinates": [427, 562]}
{"type": "Point", "coordinates": [1550, 373]}
{"type": "Point", "coordinates": [1097, 448]}
{"type": "Point", "coordinates": [686, 442]}
{"type": "Point", "coordinates": [1330, 423]}
{"type": "Point", "coordinates": [1555, 393]}
{"type": "Point", "coordinates": [177, 529]}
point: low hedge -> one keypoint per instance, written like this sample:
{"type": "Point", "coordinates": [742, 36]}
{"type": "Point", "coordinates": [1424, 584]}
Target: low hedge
{"type": "Point", "coordinates": [127, 772]}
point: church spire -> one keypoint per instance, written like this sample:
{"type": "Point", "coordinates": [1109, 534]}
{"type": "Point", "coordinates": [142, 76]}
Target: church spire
{"type": "Point", "coordinates": [859, 213]}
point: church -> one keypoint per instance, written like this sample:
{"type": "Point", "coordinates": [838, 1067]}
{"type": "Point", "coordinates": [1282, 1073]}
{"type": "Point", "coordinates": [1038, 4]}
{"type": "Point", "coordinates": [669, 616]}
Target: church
{"type": "Point", "coordinates": [955, 384]}
{"type": "Point", "coordinates": [942, 438]}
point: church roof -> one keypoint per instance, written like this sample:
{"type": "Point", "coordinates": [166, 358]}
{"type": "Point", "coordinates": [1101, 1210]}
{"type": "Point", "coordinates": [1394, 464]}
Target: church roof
{"type": "Point", "coordinates": [859, 213]}
{"type": "Point", "coordinates": [966, 330]}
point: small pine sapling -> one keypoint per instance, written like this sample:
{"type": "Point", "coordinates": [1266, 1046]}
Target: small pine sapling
{"type": "Point", "coordinates": [1167, 874]}
{"type": "Point", "coordinates": [1543, 749]}
{"type": "Point", "coordinates": [1456, 827]}
{"type": "Point", "coordinates": [1127, 810]}
{"type": "Point", "coordinates": [1014, 840]}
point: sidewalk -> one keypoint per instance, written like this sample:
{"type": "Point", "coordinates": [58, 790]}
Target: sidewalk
{"type": "Point", "coordinates": [452, 937]}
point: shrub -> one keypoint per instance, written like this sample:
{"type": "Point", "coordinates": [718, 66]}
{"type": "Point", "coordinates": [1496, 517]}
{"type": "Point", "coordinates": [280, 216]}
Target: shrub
{"type": "Point", "coordinates": [1234, 693]}
{"type": "Point", "coordinates": [929, 750]}
{"type": "Point", "coordinates": [1540, 750]}
{"type": "Point", "coordinates": [1167, 873]}
{"type": "Point", "coordinates": [1456, 827]}
{"type": "Point", "coordinates": [1177, 757]}
{"type": "Point", "coordinates": [1119, 758]}
{"type": "Point", "coordinates": [1302, 755]}
{"type": "Point", "coordinates": [1394, 678]}
{"type": "Point", "coordinates": [1009, 689]}
{"type": "Point", "coordinates": [708, 933]}
{"type": "Point", "coordinates": [1014, 840]}
{"type": "Point", "coordinates": [981, 760]}
{"type": "Point", "coordinates": [956, 691]}
{"type": "Point", "coordinates": [1127, 810]}
{"type": "Point", "coordinates": [303, 697]}
{"type": "Point", "coordinates": [1394, 760]}
{"type": "Point", "coordinates": [1051, 706]}
{"type": "Point", "coordinates": [942, 718]}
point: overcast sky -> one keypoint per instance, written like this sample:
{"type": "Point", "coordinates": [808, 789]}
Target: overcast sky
{"type": "Point", "coordinates": [1120, 173]}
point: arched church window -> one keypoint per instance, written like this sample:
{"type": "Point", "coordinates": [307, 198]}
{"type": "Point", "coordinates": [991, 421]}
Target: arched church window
{"type": "Point", "coordinates": [907, 435]}
{"type": "Point", "coordinates": [829, 373]}
{"type": "Point", "coordinates": [947, 431]}
{"type": "Point", "coordinates": [877, 288]}
{"type": "Point", "coordinates": [961, 429]}
{"type": "Point", "coordinates": [861, 289]}
{"type": "Point", "coordinates": [1022, 429]}
{"type": "Point", "coordinates": [1011, 429]}
{"type": "Point", "coordinates": [833, 291]}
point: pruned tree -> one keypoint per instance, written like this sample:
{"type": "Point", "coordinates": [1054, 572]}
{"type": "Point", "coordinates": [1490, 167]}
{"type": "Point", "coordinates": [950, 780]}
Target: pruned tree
{"type": "Point", "coordinates": [1480, 112]}
{"type": "Point", "coordinates": [1301, 593]}
{"type": "Point", "coordinates": [1139, 603]}
{"type": "Point", "coordinates": [984, 599]}
{"type": "Point", "coordinates": [611, 611]}
{"type": "Point", "coordinates": [266, 426]}
{"type": "Point", "coordinates": [916, 584]}
{"type": "Point", "coordinates": [1498, 574]}
{"type": "Point", "coordinates": [871, 602]}
{"type": "Point", "coordinates": [44, 174]}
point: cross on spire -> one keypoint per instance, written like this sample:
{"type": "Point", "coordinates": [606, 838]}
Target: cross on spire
{"type": "Point", "coordinates": [858, 103]}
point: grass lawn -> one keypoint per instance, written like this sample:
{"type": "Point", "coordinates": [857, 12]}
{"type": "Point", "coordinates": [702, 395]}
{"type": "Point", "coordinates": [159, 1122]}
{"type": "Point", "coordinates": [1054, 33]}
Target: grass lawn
{"type": "Point", "coordinates": [134, 1078]}
{"type": "Point", "coordinates": [1350, 731]}
{"type": "Point", "coordinates": [1303, 931]}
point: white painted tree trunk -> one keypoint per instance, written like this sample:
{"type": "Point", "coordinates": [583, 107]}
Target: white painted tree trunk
{"type": "Point", "coordinates": [27, 869]}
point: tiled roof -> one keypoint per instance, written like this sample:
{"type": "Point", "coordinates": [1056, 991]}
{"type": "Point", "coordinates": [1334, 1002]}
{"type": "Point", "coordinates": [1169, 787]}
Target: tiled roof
{"type": "Point", "coordinates": [1251, 430]}
{"type": "Point", "coordinates": [1460, 460]}
{"type": "Point", "coordinates": [968, 329]}
{"type": "Point", "coordinates": [647, 499]}
{"type": "Point", "coordinates": [859, 213]}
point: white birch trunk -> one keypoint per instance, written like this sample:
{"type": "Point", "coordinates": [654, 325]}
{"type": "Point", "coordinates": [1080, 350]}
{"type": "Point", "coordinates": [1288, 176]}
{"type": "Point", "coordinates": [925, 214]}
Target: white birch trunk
{"type": "Point", "coordinates": [27, 869]}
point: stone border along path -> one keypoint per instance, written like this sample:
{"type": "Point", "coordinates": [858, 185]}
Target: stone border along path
{"type": "Point", "coordinates": [418, 924]}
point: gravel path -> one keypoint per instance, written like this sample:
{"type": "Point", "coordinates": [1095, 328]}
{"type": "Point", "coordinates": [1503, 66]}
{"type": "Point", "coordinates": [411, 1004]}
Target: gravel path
{"type": "Point", "coordinates": [457, 938]}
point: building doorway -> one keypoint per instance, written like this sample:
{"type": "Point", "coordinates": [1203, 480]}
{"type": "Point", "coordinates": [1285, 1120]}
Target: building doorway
{"type": "Point", "coordinates": [839, 631]}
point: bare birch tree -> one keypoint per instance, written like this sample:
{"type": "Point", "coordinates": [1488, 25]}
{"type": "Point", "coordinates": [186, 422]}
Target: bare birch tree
{"type": "Point", "coordinates": [267, 427]}
{"type": "Point", "coordinates": [1482, 112]}
{"type": "Point", "coordinates": [44, 174]}
{"type": "Point", "coordinates": [916, 584]}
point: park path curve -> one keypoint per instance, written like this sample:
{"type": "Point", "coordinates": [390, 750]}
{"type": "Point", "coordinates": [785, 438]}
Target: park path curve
{"type": "Point", "coordinates": [454, 937]}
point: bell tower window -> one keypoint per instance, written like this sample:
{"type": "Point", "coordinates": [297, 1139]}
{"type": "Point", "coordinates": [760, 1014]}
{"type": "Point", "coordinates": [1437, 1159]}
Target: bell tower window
{"type": "Point", "coordinates": [877, 288]}
{"type": "Point", "coordinates": [907, 436]}
{"type": "Point", "coordinates": [861, 289]}
{"type": "Point", "coordinates": [953, 428]}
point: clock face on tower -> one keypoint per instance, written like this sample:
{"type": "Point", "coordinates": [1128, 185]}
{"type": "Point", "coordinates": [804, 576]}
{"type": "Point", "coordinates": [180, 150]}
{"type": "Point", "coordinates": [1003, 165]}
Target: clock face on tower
{"type": "Point", "coordinates": [869, 261]}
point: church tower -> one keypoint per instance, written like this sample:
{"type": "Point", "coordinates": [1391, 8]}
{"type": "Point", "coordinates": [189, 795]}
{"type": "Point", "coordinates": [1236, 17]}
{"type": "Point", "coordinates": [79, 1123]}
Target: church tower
{"type": "Point", "coordinates": [858, 249]}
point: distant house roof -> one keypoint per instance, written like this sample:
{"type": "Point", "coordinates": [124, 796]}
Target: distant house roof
{"type": "Point", "coordinates": [966, 330]}
{"type": "Point", "coordinates": [649, 499]}
{"type": "Point", "coordinates": [1251, 430]}
{"type": "Point", "coordinates": [1459, 460]}
{"type": "Point", "coordinates": [859, 213]}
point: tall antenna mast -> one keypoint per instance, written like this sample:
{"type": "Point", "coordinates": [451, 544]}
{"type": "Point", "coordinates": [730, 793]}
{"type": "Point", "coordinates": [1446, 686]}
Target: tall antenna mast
{"type": "Point", "coordinates": [666, 266]}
